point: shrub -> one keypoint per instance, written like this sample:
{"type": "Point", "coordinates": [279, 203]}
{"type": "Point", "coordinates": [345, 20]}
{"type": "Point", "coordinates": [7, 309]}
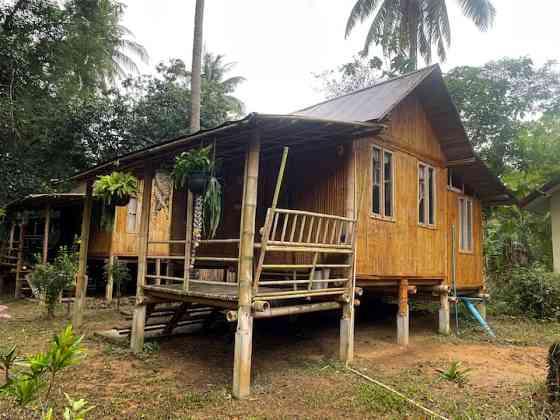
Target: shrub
{"type": "Point", "coordinates": [50, 279]}
{"type": "Point", "coordinates": [120, 273]}
{"type": "Point", "coordinates": [528, 290]}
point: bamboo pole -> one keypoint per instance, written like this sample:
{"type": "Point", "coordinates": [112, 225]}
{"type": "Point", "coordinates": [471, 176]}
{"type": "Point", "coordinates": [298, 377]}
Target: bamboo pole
{"type": "Point", "coordinates": [289, 310]}
{"type": "Point", "coordinates": [139, 316]}
{"type": "Point", "coordinates": [270, 214]}
{"type": "Point", "coordinates": [346, 345]}
{"type": "Point", "coordinates": [45, 256]}
{"type": "Point", "coordinates": [110, 280]}
{"type": "Point", "coordinates": [188, 241]}
{"type": "Point", "coordinates": [19, 263]}
{"type": "Point", "coordinates": [244, 334]}
{"type": "Point", "coordinates": [81, 281]}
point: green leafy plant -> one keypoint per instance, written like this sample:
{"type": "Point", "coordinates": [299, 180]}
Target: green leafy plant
{"type": "Point", "coordinates": [200, 161]}
{"type": "Point", "coordinates": [76, 409]}
{"type": "Point", "coordinates": [553, 376]}
{"type": "Point", "coordinates": [8, 358]}
{"type": "Point", "coordinates": [50, 279]}
{"type": "Point", "coordinates": [454, 373]}
{"type": "Point", "coordinates": [187, 163]}
{"type": "Point", "coordinates": [212, 207]}
{"type": "Point", "coordinates": [2, 213]}
{"type": "Point", "coordinates": [116, 188]}
{"type": "Point", "coordinates": [120, 273]}
{"type": "Point", "coordinates": [41, 371]}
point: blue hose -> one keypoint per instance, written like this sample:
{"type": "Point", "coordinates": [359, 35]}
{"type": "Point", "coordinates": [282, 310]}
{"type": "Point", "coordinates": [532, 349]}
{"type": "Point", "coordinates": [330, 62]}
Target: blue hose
{"type": "Point", "coordinates": [472, 309]}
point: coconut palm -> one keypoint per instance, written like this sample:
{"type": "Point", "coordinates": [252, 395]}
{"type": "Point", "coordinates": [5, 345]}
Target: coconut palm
{"type": "Point", "coordinates": [214, 70]}
{"type": "Point", "coordinates": [412, 26]}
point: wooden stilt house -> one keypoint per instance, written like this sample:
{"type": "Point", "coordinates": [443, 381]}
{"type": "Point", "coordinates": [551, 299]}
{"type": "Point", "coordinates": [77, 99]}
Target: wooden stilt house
{"type": "Point", "coordinates": [379, 188]}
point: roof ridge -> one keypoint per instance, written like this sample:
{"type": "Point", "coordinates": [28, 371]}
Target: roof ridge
{"type": "Point", "coordinates": [402, 76]}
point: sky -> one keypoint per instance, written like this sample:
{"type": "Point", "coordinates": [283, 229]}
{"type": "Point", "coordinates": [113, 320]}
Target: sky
{"type": "Point", "coordinates": [279, 45]}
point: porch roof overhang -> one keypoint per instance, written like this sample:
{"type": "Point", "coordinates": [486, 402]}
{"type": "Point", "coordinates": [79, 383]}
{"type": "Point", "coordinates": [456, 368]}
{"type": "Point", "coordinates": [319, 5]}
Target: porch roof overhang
{"type": "Point", "coordinates": [276, 131]}
{"type": "Point", "coordinates": [35, 201]}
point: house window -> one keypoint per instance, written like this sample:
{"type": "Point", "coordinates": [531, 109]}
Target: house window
{"type": "Point", "coordinates": [426, 195]}
{"type": "Point", "coordinates": [465, 224]}
{"type": "Point", "coordinates": [131, 215]}
{"type": "Point", "coordinates": [455, 182]}
{"type": "Point", "coordinates": [382, 183]}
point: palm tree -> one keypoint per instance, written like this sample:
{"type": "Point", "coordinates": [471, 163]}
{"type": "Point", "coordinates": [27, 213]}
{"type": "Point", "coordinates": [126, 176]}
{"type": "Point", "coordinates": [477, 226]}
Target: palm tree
{"type": "Point", "coordinates": [214, 71]}
{"type": "Point", "coordinates": [195, 72]}
{"type": "Point", "coordinates": [412, 26]}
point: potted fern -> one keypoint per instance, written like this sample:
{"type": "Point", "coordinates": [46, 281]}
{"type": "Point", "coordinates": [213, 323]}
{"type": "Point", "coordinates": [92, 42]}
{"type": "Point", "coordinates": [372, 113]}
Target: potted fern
{"type": "Point", "coordinates": [195, 170]}
{"type": "Point", "coordinates": [115, 189]}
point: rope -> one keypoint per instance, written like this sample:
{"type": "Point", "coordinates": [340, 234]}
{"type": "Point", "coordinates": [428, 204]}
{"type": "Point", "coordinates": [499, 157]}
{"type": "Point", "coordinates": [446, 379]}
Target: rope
{"type": "Point", "coordinates": [394, 391]}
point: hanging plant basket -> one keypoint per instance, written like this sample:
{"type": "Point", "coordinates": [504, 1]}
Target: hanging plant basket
{"type": "Point", "coordinates": [115, 189]}
{"type": "Point", "coordinates": [198, 181]}
{"type": "Point", "coordinates": [121, 200]}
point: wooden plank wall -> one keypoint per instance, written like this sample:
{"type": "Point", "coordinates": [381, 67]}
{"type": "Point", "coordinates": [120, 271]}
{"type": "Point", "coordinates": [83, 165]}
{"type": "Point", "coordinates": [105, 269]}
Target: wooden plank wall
{"type": "Point", "coordinates": [470, 266]}
{"type": "Point", "coordinates": [401, 247]}
{"type": "Point", "coordinates": [119, 242]}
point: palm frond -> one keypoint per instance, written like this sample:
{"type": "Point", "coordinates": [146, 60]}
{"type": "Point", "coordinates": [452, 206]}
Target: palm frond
{"type": "Point", "coordinates": [123, 62]}
{"type": "Point", "coordinates": [134, 47]}
{"type": "Point", "coordinates": [383, 26]}
{"type": "Point", "coordinates": [231, 83]}
{"type": "Point", "coordinates": [481, 12]}
{"type": "Point", "coordinates": [361, 11]}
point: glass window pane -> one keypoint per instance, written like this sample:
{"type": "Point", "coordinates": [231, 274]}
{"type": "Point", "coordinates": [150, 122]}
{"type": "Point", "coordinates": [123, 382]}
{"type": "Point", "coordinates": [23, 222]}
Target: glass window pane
{"type": "Point", "coordinates": [388, 183]}
{"type": "Point", "coordinates": [421, 193]}
{"type": "Point", "coordinates": [376, 181]}
{"type": "Point", "coordinates": [431, 196]}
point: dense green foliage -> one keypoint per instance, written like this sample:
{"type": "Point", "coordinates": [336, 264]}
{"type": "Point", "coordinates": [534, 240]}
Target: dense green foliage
{"type": "Point", "coordinates": [62, 106]}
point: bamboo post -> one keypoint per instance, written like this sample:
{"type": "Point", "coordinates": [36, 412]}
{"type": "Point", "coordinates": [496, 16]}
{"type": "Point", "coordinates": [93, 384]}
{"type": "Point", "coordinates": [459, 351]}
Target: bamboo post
{"type": "Point", "coordinates": [139, 316]}
{"type": "Point", "coordinates": [188, 241]}
{"type": "Point", "coordinates": [81, 280]}
{"type": "Point", "coordinates": [46, 234]}
{"type": "Point", "coordinates": [403, 314]}
{"type": "Point", "coordinates": [244, 333]}
{"type": "Point", "coordinates": [19, 263]}
{"type": "Point", "coordinates": [444, 326]}
{"type": "Point", "coordinates": [12, 233]}
{"type": "Point", "coordinates": [110, 280]}
{"type": "Point", "coordinates": [270, 215]}
{"type": "Point", "coordinates": [347, 319]}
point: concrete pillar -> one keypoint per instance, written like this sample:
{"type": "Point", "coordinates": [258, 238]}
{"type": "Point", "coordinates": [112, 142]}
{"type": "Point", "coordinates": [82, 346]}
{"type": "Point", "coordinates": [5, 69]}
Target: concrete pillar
{"type": "Point", "coordinates": [444, 326]}
{"type": "Point", "coordinates": [403, 314]}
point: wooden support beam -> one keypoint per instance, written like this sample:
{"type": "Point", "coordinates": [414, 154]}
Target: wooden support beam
{"type": "Point", "coordinates": [139, 316]}
{"type": "Point", "coordinates": [444, 326]}
{"type": "Point", "coordinates": [346, 345]}
{"type": "Point", "coordinates": [19, 263]}
{"type": "Point", "coordinates": [177, 316]}
{"type": "Point", "coordinates": [81, 280]}
{"type": "Point", "coordinates": [403, 314]}
{"type": "Point", "coordinates": [244, 333]}
{"type": "Point", "coordinates": [45, 255]}
{"type": "Point", "coordinates": [109, 287]}
{"type": "Point", "coordinates": [188, 241]}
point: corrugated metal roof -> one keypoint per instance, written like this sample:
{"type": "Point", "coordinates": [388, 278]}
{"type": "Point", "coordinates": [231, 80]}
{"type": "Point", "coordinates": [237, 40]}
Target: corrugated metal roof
{"type": "Point", "coordinates": [371, 103]}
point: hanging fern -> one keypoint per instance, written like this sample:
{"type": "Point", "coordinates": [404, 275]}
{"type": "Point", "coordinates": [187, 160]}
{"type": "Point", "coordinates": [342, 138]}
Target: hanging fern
{"type": "Point", "coordinates": [212, 208]}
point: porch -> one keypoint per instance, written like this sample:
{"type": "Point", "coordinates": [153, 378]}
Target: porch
{"type": "Point", "coordinates": [286, 243]}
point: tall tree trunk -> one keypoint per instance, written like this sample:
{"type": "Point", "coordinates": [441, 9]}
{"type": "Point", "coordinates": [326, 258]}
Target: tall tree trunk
{"type": "Point", "coordinates": [413, 32]}
{"type": "Point", "coordinates": [196, 66]}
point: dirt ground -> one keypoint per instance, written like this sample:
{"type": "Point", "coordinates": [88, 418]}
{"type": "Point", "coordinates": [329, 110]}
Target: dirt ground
{"type": "Point", "coordinates": [295, 370]}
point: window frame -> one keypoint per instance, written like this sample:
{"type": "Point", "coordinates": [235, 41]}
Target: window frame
{"type": "Point", "coordinates": [463, 209]}
{"type": "Point", "coordinates": [381, 215]}
{"type": "Point", "coordinates": [426, 223]}
{"type": "Point", "coordinates": [129, 215]}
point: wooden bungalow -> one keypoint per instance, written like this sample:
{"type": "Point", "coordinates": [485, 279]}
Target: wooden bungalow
{"type": "Point", "coordinates": [379, 189]}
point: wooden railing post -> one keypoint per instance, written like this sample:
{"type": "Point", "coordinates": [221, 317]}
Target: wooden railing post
{"type": "Point", "coordinates": [139, 316]}
{"type": "Point", "coordinates": [244, 334]}
{"type": "Point", "coordinates": [19, 262]}
{"type": "Point", "coordinates": [81, 280]}
{"type": "Point", "coordinates": [45, 255]}
{"type": "Point", "coordinates": [347, 319]}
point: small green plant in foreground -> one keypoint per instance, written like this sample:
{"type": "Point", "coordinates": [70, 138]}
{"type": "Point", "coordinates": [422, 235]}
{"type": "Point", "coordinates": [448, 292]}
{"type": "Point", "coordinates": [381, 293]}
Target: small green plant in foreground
{"type": "Point", "coordinates": [454, 373]}
{"type": "Point", "coordinates": [37, 375]}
